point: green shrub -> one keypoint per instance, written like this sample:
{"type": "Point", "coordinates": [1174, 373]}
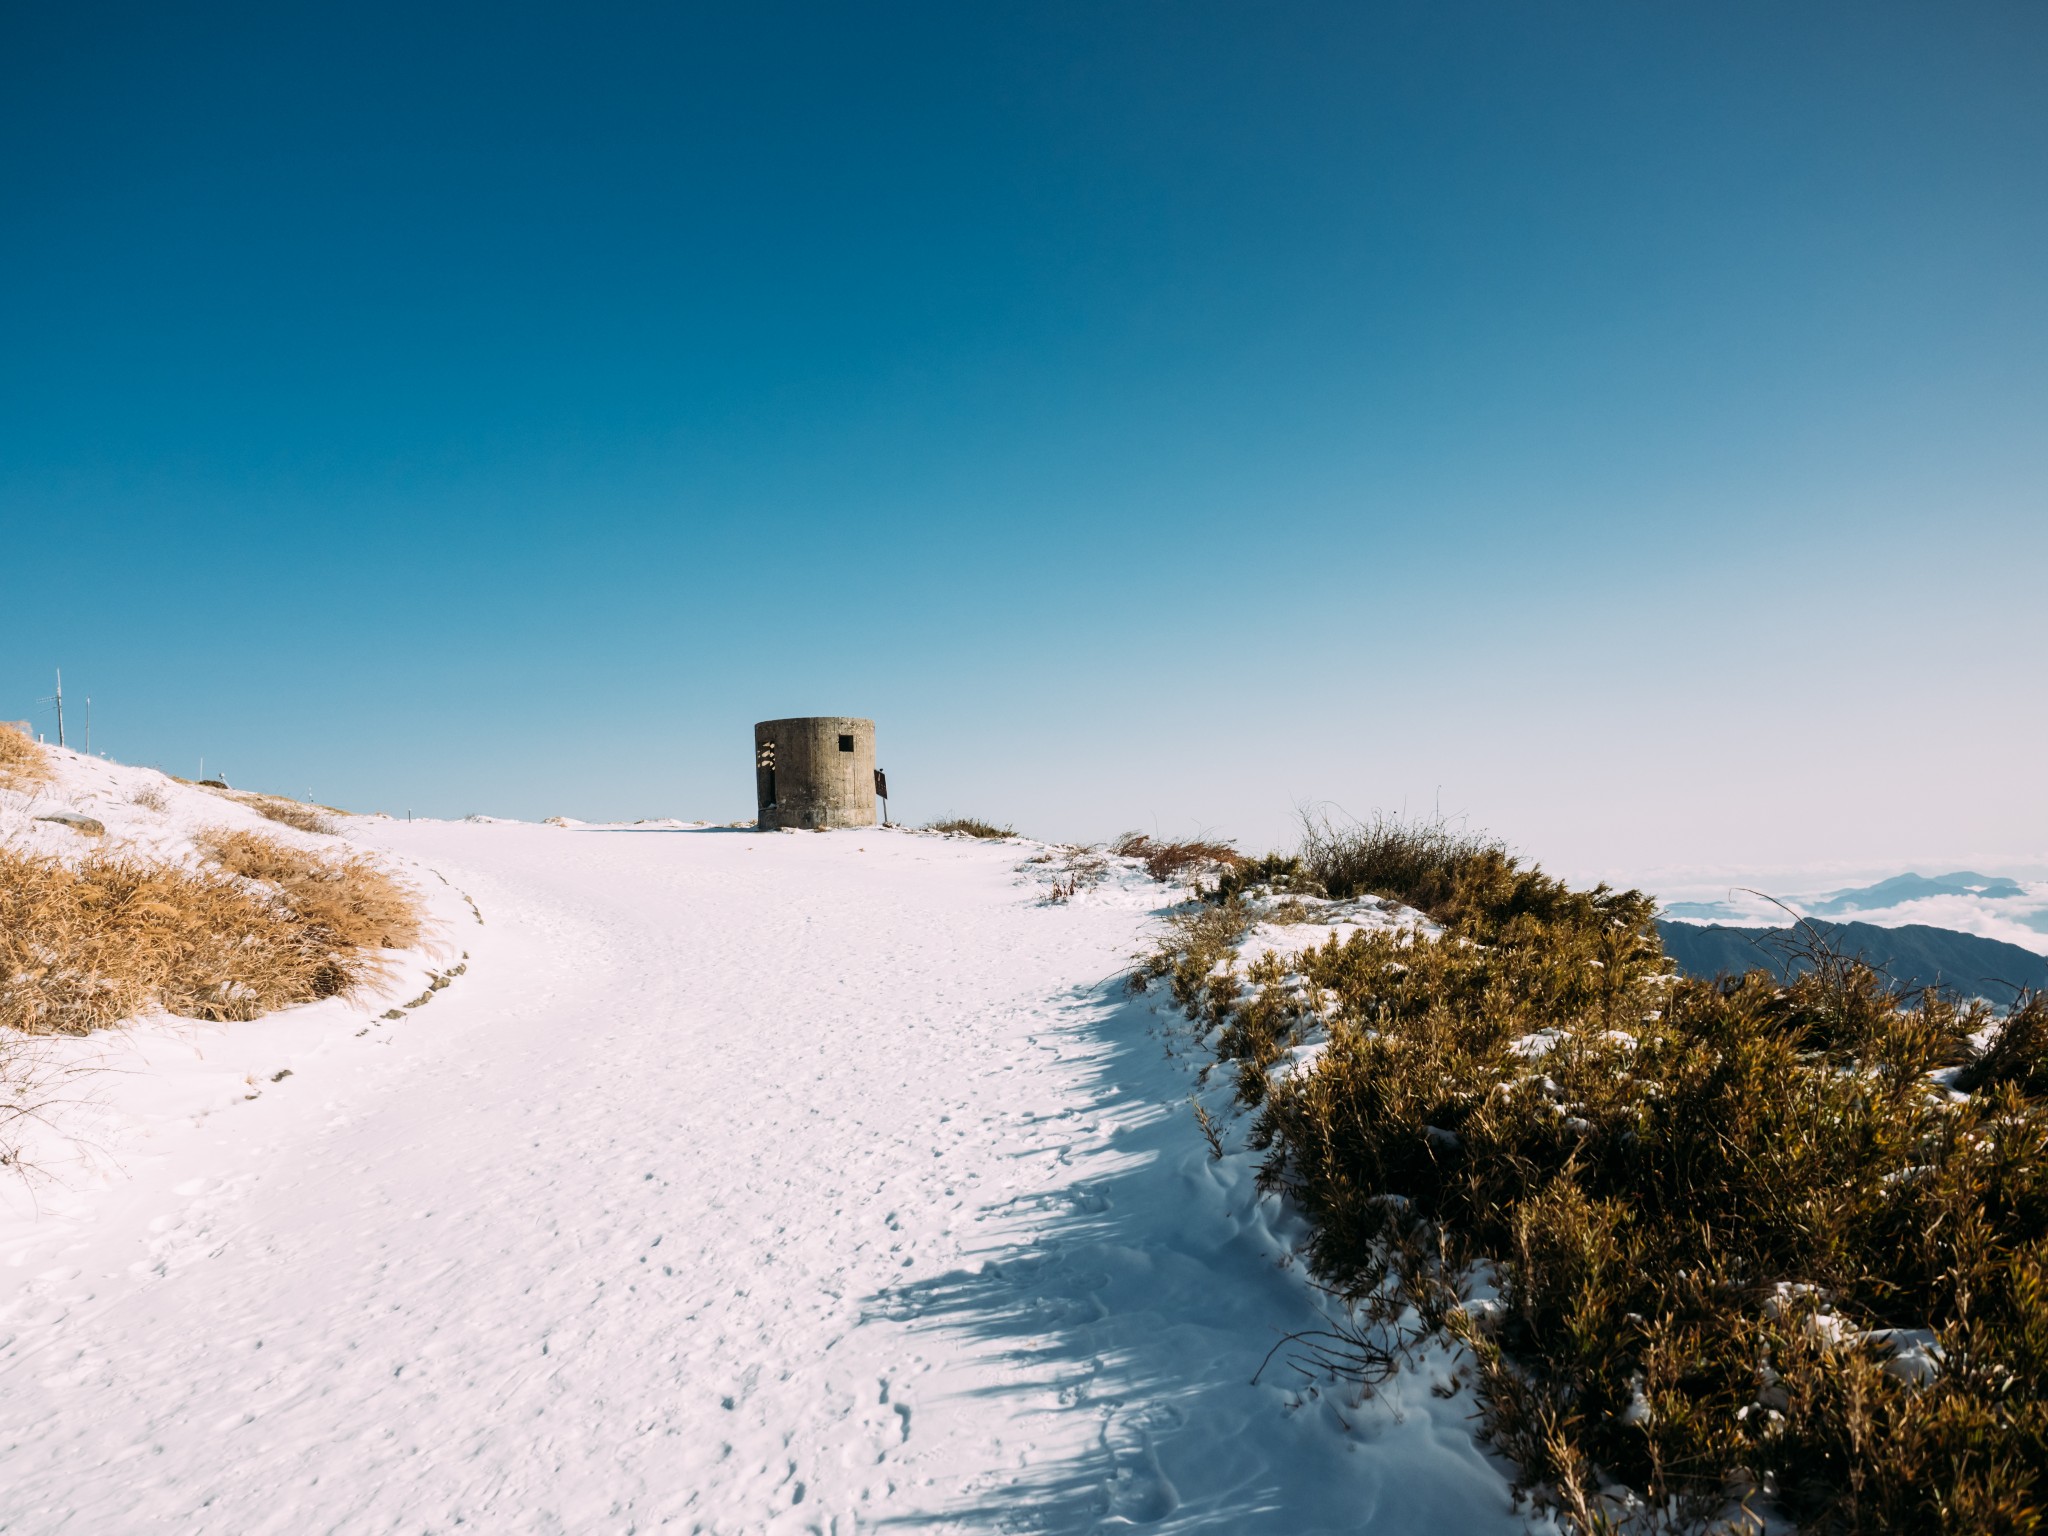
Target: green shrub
{"type": "Point", "coordinates": [1468, 882]}
{"type": "Point", "coordinates": [1201, 937]}
{"type": "Point", "coordinates": [1702, 1203]}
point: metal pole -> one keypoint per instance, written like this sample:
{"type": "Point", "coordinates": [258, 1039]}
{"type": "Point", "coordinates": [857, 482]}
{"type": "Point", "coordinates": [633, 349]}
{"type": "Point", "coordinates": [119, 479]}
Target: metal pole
{"type": "Point", "coordinates": [60, 706]}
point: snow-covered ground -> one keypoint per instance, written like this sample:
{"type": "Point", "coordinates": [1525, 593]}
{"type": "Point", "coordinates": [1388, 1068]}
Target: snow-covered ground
{"type": "Point", "coordinates": [739, 1183]}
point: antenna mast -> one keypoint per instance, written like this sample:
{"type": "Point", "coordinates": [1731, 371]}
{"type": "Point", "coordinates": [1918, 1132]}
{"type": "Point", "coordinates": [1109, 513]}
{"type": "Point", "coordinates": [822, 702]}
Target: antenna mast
{"type": "Point", "coordinates": [58, 700]}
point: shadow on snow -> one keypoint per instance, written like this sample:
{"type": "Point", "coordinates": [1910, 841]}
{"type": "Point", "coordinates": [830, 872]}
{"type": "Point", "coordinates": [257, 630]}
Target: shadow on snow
{"type": "Point", "coordinates": [1128, 1321]}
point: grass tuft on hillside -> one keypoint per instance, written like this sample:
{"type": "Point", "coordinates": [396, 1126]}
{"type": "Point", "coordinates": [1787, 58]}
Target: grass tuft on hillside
{"type": "Point", "coordinates": [296, 814]}
{"type": "Point", "coordinates": [1713, 1241]}
{"type": "Point", "coordinates": [259, 926]}
{"type": "Point", "coordinates": [23, 763]}
{"type": "Point", "coordinates": [970, 826]}
{"type": "Point", "coordinates": [1176, 858]}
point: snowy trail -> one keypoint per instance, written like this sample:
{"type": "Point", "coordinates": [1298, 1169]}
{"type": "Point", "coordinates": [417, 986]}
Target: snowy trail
{"type": "Point", "coordinates": [742, 1184]}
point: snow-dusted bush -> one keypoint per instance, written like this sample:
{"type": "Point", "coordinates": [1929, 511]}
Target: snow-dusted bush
{"type": "Point", "coordinates": [1707, 1240]}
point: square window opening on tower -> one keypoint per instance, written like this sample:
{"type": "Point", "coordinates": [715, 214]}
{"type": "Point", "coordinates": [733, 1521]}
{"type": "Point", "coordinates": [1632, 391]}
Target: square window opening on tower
{"type": "Point", "coordinates": [846, 743]}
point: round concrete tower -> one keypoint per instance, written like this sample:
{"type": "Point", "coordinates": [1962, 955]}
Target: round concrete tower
{"type": "Point", "coordinates": [815, 772]}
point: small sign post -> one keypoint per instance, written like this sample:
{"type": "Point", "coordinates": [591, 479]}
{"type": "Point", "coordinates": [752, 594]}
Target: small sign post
{"type": "Point", "coordinates": [882, 793]}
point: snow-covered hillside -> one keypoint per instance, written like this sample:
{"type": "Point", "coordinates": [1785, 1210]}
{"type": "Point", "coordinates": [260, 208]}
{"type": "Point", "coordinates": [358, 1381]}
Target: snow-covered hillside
{"type": "Point", "coordinates": [741, 1183]}
{"type": "Point", "coordinates": [141, 810]}
{"type": "Point", "coordinates": [125, 1098]}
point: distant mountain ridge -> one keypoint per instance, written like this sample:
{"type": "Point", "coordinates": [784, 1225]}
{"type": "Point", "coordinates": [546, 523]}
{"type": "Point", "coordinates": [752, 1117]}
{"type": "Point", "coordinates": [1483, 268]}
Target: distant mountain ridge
{"type": "Point", "coordinates": [1914, 955]}
{"type": "Point", "coordinates": [1912, 887]}
{"type": "Point", "coordinates": [1996, 906]}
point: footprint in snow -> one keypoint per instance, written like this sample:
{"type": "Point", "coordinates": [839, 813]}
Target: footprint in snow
{"type": "Point", "coordinates": [1138, 1491]}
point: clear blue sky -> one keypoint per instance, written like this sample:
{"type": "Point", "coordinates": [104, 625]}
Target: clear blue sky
{"type": "Point", "coordinates": [1624, 425]}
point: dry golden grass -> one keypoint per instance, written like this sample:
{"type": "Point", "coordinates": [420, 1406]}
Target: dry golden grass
{"type": "Point", "coordinates": [346, 899]}
{"type": "Point", "coordinates": [970, 826]}
{"type": "Point", "coordinates": [296, 814]}
{"type": "Point", "coordinates": [292, 813]}
{"type": "Point", "coordinates": [85, 945]}
{"type": "Point", "coordinates": [1171, 859]}
{"type": "Point", "coordinates": [22, 762]}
